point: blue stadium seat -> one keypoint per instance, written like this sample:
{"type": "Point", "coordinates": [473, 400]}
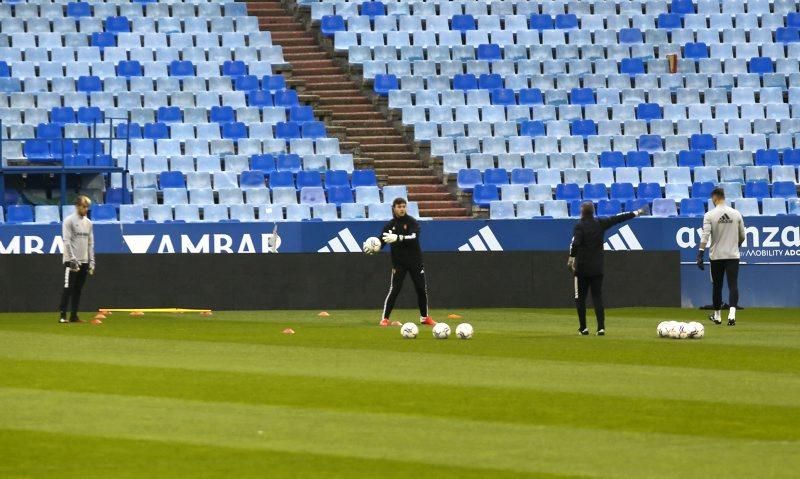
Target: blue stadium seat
{"type": "Point", "coordinates": [669, 21]}
{"type": "Point", "coordinates": [128, 130]}
{"type": "Point", "coordinates": [463, 23]}
{"type": "Point", "coordinates": [19, 214]}
{"type": "Point", "coordinates": [313, 129]}
{"type": "Point", "coordinates": [793, 19]}
{"type": "Point", "coordinates": [638, 159]}
{"type": "Point", "coordinates": [259, 98]}
{"type": "Point", "coordinates": [568, 192]}
{"type": "Point", "coordinates": [503, 96]}
{"type": "Point", "coordinates": [465, 82]}
{"type": "Point", "coordinates": [252, 179]}
{"type": "Point", "coordinates": [583, 127]}
{"type": "Point", "coordinates": [373, 9]}
{"type": "Point", "coordinates": [622, 191]}
{"type": "Point", "coordinates": [702, 190]}
{"type": "Point", "coordinates": [340, 194]}
{"type": "Point", "coordinates": [330, 24]}
{"type": "Point", "coordinates": [482, 195]}
{"type": "Point", "coordinates": [467, 179]}
{"type": "Point", "coordinates": [264, 163]}
{"type": "Point", "coordinates": [791, 157]}
{"type": "Point", "coordinates": [383, 84]}
{"type": "Point", "coordinates": [566, 21]}
{"type": "Point", "coordinates": [612, 159]}
{"type": "Point", "coordinates": [285, 98]}
{"type": "Point", "coordinates": [692, 207]}
{"type": "Point", "coordinates": [103, 40]}
{"type": "Point", "coordinates": [90, 114]}
{"type": "Point", "coordinates": [89, 147]}
{"type": "Point", "coordinates": [649, 111]}
{"type": "Point", "coordinates": [171, 179]}
{"type": "Point", "coordinates": [531, 96]}
{"type": "Point", "coordinates": [308, 179]}
{"type": "Point", "coordinates": [79, 9]}
{"type": "Point", "coordinates": [595, 191]}
{"type": "Point", "coordinates": [287, 130]}
{"type": "Point", "coordinates": [695, 50]}
{"type": "Point", "coordinates": [274, 83]}
{"type": "Point", "coordinates": [62, 115]}
{"type": "Point", "coordinates": [129, 68]}
{"type": "Point", "coordinates": [118, 24]}
{"type": "Point", "coordinates": [364, 178]}
{"type": "Point", "coordinates": [531, 128]}
{"type": "Point", "coordinates": [541, 22]}
{"type": "Point", "coordinates": [234, 130]}
{"type": "Point", "coordinates": [682, 7]}
{"type": "Point", "coordinates": [630, 35]}
{"type": "Point", "coordinates": [760, 65]}
{"type": "Point", "coordinates": [281, 179]}
{"type": "Point", "coordinates": [690, 159]}
{"type": "Point", "coordinates": [489, 52]}
{"type": "Point", "coordinates": [784, 189]}
{"type": "Point", "coordinates": [650, 143]}
{"type": "Point", "coordinates": [117, 196]}
{"type": "Point", "coordinates": [288, 162]}
{"type": "Point", "coordinates": [235, 68]}
{"type": "Point", "coordinates": [181, 68]}
{"type": "Point", "coordinates": [633, 205]}
{"type": "Point", "coordinates": [767, 158]}
{"type": "Point", "coordinates": [702, 142]}
{"type": "Point", "coordinates": [104, 213]}
{"type": "Point", "coordinates": [155, 131]}
{"type": "Point", "coordinates": [49, 131]}
{"type": "Point", "coordinates": [301, 113]}
{"type": "Point", "coordinates": [5, 71]}
{"type": "Point", "coordinates": [246, 83]}
{"type": "Point", "coordinates": [756, 189]}
{"type": "Point", "coordinates": [522, 176]}
{"type": "Point", "coordinates": [495, 176]}
{"type": "Point", "coordinates": [169, 114]}
{"type": "Point", "coordinates": [648, 191]}
{"type": "Point", "coordinates": [89, 84]}
{"type": "Point", "coordinates": [37, 150]}
{"type": "Point", "coordinates": [581, 96]}
{"type": "Point", "coordinates": [608, 207]}
{"type": "Point", "coordinates": [575, 208]}
{"type": "Point", "coordinates": [490, 81]}
{"type": "Point", "coordinates": [631, 66]}
{"type": "Point", "coordinates": [336, 178]}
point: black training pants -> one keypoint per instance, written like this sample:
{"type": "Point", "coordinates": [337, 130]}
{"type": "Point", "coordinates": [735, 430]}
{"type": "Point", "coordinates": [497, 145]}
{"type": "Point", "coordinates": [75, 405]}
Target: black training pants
{"type": "Point", "coordinates": [582, 286]}
{"type": "Point", "coordinates": [417, 274]}
{"type": "Point", "coordinates": [73, 284]}
{"type": "Point", "coordinates": [720, 269]}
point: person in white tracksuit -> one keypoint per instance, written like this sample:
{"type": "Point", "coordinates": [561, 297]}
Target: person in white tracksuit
{"type": "Point", "coordinates": [724, 227]}
{"type": "Point", "coordinates": [78, 258]}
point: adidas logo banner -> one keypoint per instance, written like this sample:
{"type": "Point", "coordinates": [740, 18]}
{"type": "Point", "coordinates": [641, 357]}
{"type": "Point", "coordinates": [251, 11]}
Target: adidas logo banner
{"type": "Point", "coordinates": [485, 240]}
{"type": "Point", "coordinates": [343, 242]}
{"type": "Point", "coordinates": [623, 240]}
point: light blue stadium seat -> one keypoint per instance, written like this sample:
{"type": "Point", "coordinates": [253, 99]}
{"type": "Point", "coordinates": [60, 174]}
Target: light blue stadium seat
{"type": "Point", "coordinates": [747, 206]}
{"type": "Point", "coordinates": [159, 213]}
{"type": "Point", "coordinates": [46, 214]}
{"type": "Point", "coordinates": [295, 212]}
{"type": "Point", "coordinates": [326, 212]}
{"type": "Point", "coordinates": [664, 207]}
{"type": "Point", "coordinates": [379, 211]}
{"type": "Point", "coordinates": [211, 213]}
{"type": "Point", "coordinates": [555, 208]}
{"type": "Point", "coordinates": [501, 210]}
{"type": "Point", "coordinates": [773, 206]}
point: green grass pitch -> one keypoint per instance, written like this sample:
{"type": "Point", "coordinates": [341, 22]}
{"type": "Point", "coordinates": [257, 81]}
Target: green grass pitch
{"type": "Point", "coordinates": [184, 396]}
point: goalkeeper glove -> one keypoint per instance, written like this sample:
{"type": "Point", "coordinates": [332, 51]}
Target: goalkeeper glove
{"type": "Point", "coordinates": [367, 250]}
{"type": "Point", "coordinates": [700, 254]}
{"type": "Point", "coordinates": [91, 270]}
{"type": "Point", "coordinates": [390, 238]}
{"type": "Point", "coordinates": [74, 266]}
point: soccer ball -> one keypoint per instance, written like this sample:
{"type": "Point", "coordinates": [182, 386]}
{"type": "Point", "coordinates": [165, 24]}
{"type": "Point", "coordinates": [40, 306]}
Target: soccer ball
{"type": "Point", "coordinates": [464, 331]}
{"type": "Point", "coordinates": [683, 330]}
{"type": "Point", "coordinates": [699, 329]}
{"type": "Point", "coordinates": [673, 330]}
{"type": "Point", "coordinates": [409, 330]}
{"type": "Point", "coordinates": [372, 245]}
{"type": "Point", "coordinates": [663, 329]}
{"type": "Point", "coordinates": [441, 331]}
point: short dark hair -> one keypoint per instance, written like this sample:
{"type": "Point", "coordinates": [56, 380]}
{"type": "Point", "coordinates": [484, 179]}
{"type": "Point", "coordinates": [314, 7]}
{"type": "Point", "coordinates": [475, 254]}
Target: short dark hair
{"type": "Point", "coordinates": [718, 192]}
{"type": "Point", "coordinates": [587, 209]}
{"type": "Point", "coordinates": [399, 201]}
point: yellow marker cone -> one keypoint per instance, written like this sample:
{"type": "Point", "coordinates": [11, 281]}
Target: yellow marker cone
{"type": "Point", "coordinates": [288, 331]}
{"type": "Point", "coordinates": [324, 314]}
{"type": "Point", "coordinates": [137, 313]}
{"type": "Point", "coordinates": [100, 316]}
{"type": "Point", "coordinates": [454, 316]}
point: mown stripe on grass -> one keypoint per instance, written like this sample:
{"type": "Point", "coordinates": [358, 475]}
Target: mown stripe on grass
{"type": "Point", "coordinates": [694, 384]}
{"type": "Point", "coordinates": [519, 406]}
{"type": "Point", "coordinates": [33, 455]}
{"type": "Point", "coordinates": [555, 450]}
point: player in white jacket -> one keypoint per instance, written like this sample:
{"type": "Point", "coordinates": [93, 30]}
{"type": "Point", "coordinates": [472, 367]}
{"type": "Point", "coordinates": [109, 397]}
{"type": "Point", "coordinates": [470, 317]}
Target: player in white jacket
{"type": "Point", "coordinates": [724, 227]}
{"type": "Point", "coordinates": [78, 258]}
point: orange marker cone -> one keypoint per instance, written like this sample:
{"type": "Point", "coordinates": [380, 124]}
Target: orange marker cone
{"type": "Point", "coordinates": [100, 316]}
{"type": "Point", "coordinates": [453, 316]}
{"type": "Point", "coordinates": [324, 314]}
{"type": "Point", "coordinates": [396, 323]}
{"type": "Point", "coordinates": [97, 321]}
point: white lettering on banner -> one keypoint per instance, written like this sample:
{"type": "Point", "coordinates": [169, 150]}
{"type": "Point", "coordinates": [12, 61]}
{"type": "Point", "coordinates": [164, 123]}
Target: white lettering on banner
{"type": "Point", "coordinates": [33, 244]}
{"type": "Point", "coordinates": [12, 247]}
{"type": "Point", "coordinates": [794, 241]}
{"type": "Point", "coordinates": [202, 245]}
{"type": "Point", "coordinates": [246, 246]}
{"type": "Point", "coordinates": [222, 244]}
{"type": "Point", "coordinates": [685, 237]}
{"type": "Point", "coordinates": [751, 232]}
{"type": "Point", "coordinates": [772, 231]}
{"type": "Point", "coordinates": [166, 246]}
{"type": "Point", "coordinates": [58, 245]}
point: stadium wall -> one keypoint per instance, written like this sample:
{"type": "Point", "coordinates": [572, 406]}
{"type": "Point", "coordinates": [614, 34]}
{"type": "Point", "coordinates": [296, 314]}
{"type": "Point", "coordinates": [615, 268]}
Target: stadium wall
{"type": "Point", "coordinates": [313, 281]}
{"type": "Point", "coordinates": [770, 275]}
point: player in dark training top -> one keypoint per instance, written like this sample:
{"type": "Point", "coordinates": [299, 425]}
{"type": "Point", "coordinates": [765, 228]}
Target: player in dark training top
{"type": "Point", "coordinates": [402, 235]}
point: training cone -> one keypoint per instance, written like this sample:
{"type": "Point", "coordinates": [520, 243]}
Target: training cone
{"type": "Point", "coordinates": [288, 331]}
{"type": "Point", "coordinates": [324, 314]}
{"type": "Point", "coordinates": [137, 313]}
{"type": "Point", "coordinates": [105, 312]}
{"type": "Point", "coordinates": [453, 316]}
{"type": "Point", "coordinates": [97, 321]}
{"type": "Point", "coordinates": [396, 323]}
{"type": "Point", "coordinates": [100, 316]}
{"type": "Point", "coordinates": [206, 313]}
